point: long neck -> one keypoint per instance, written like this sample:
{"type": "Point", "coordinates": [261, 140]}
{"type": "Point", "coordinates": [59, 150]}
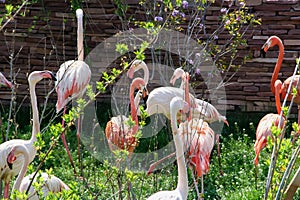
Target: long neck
{"type": "Point", "coordinates": [80, 51]}
{"type": "Point", "coordinates": [23, 171]}
{"type": "Point", "coordinates": [185, 80]}
{"type": "Point", "coordinates": [146, 73]}
{"type": "Point", "coordinates": [277, 97]}
{"type": "Point", "coordinates": [35, 112]}
{"type": "Point", "coordinates": [133, 104]}
{"type": "Point", "coordinates": [182, 173]}
{"type": "Point", "coordinates": [277, 66]}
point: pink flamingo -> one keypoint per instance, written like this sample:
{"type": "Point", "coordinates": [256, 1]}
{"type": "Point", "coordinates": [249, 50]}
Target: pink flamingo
{"type": "Point", "coordinates": [181, 192]}
{"type": "Point", "coordinates": [51, 184]}
{"type": "Point", "coordinates": [276, 41]}
{"type": "Point", "coordinates": [263, 130]}
{"type": "Point", "coordinates": [134, 67]}
{"type": "Point", "coordinates": [33, 79]}
{"type": "Point", "coordinates": [73, 77]}
{"type": "Point", "coordinates": [4, 81]}
{"type": "Point", "coordinates": [118, 133]}
{"type": "Point", "coordinates": [204, 110]}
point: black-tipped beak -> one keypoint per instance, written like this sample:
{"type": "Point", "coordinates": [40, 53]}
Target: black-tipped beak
{"type": "Point", "coordinates": [145, 92]}
{"type": "Point", "coordinates": [262, 53]}
{"type": "Point", "coordinates": [53, 77]}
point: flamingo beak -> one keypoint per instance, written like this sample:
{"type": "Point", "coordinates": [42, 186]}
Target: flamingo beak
{"type": "Point", "coordinates": [9, 84]}
{"type": "Point", "coordinates": [144, 92]}
{"type": "Point", "coordinates": [49, 74]}
{"type": "Point", "coordinates": [226, 122]}
{"type": "Point", "coordinates": [263, 53]}
{"type": "Point", "coordinates": [130, 72]}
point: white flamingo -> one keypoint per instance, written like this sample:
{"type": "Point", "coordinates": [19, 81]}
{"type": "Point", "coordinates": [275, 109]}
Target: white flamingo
{"type": "Point", "coordinates": [7, 159]}
{"type": "Point", "coordinates": [181, 192]}
{"type": "Point", "coordinates": [211, 114]}
{"type": "Point", "coordinates": [50, 183]}
{"type": "Point", "coordinates": [73, 77]}
{"type": "Point", "coordinates": [13, 170]}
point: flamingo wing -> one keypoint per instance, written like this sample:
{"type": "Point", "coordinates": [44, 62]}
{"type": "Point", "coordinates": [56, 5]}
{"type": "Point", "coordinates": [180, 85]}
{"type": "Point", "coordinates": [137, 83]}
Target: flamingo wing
{"type": "Point", "coordinates": [201, 138]}
{"type": "Point", "coordinates": [119, 135]}
{"type": "Point", "coordinates": [263, 131]}
{"type": "Point", "coordinates": [72, 79]}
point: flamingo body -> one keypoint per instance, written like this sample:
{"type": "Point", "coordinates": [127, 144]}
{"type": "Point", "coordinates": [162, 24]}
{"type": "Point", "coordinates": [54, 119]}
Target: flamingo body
{"type": "Point", "coordinates": [160, 98]}
{"type": "Point", "coordinates": [118, 133]}
{"type": "Point", "coordinates": [51, 184]}
{"type": "Point", "coordinates": [263, 131]}
{"type": "Point", "coordinates": [72, 79]}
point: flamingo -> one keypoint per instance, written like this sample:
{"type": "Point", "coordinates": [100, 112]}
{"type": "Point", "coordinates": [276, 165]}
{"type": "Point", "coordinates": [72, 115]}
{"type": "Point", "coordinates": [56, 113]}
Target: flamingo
{"type": "Point", "coordinates": [276, 41]}
{"type": "Point", "coordinates": [118, 133]}
{"type": "Point", "coordinates": [136, 66]}
{"type": "Point", "coordinates": [263, 130]}
{"type": "Point", "coordinates": [159, 98]}
{"type": "Point", "coordinates": [181, 192]}
{"type": "Point", "coordinates": [8, 156]}
{"type": "Point", "coordinates": [73, 77]}
{"type": "Point", "coordinates": [51, 184]}
{"type": "Point", "coordinates": [4, 81]}
{"type": "Point", "coordinates": [211, 114]}
{"type": "Point", "coordinates": [33, 79]}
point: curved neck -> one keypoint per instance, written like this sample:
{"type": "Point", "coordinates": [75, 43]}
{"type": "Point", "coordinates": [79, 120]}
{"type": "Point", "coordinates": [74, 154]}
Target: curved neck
{"type": "Point", "coordinates": [146, 73]}
{"type": "Point", "coordinates": [80, 50]}
{"type": "Point", "coordinates": [133, 104]}
{"type": "Point", "coordinates": [277, 66]}
{"type": "Point", "coordinates": [182, 185]}
{"type": "Point", "coordinates": [23, 151]}
{"type": "Point", "coordinates": [35, 112]}
{"type": "Point", "coordinates": [185, 81]}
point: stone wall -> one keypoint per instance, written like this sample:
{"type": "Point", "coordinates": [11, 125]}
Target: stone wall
{"type": "Point", "coordinates": [46, 37]}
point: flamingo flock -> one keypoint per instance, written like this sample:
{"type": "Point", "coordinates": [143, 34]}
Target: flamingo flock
{"type": "Point", "coordinates": [190, 122]}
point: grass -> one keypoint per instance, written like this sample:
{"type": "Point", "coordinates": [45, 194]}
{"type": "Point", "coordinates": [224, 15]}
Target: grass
{"type": "Point", "coordinates": [102, 180]}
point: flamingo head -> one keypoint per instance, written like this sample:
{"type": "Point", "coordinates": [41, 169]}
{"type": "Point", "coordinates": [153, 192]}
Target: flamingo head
{"type": "Point", "coordinates": [11, 158]}
{"type": "Point", "coordinates": [135, 66]}
{"type": "Point", "coordinates": [271, 42]}
{"type": "Point", "coordinates": [4, 81]}
{"type": "Point", "coordinates": [176, 75]}
{"type": "Point", "coordinates": [79, 13]}
{"type": "Point", "coordinates": [36, 76]}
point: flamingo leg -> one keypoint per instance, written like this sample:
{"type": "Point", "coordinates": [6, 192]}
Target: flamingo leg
{"type": "Point", "coordinates": [219, 153]}
{"type": "Point", "coordinates": [202, 187]}
{"type": "Point", "coordinates": [78, 138]}
{"type": "Point", "coordinates": [63, 138]}
{"type": "Point", "coordinates": [6, 190]}
{"type": "Point", "coordinates": [153, 165]}
{"type": "Point", "coordinates": [196, 184]}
